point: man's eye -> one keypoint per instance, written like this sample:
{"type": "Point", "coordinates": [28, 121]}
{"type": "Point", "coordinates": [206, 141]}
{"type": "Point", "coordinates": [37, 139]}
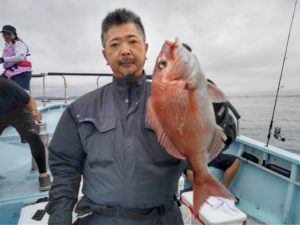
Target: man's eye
{"type": "Point", "coordinates": [133, 42]}
{"type": "Point", "coordinates": [114, 45]}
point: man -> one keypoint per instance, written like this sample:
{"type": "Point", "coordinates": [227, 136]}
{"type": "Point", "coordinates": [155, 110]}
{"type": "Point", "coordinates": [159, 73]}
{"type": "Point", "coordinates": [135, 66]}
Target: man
{"type": "Point", "coordinates": [17, 109]}
{"type": "Point", "coordinates": [128, 178]}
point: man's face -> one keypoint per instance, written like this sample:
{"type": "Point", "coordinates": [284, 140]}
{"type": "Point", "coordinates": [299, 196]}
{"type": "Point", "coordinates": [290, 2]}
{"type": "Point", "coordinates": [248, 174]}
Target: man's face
{"type": "Point", "coordinates": [125, 51]}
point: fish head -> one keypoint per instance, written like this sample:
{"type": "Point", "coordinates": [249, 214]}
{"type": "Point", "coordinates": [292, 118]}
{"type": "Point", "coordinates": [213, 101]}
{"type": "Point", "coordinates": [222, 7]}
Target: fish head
{"type": "Point", "coordinates": [175, 62]}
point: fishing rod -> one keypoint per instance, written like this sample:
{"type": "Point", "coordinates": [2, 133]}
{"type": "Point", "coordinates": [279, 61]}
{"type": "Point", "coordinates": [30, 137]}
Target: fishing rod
{"type": "Point", "coordinates": [282, 67]}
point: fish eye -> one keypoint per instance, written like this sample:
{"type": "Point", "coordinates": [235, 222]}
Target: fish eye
{"type": "Point", "coordinates": [162, 63]}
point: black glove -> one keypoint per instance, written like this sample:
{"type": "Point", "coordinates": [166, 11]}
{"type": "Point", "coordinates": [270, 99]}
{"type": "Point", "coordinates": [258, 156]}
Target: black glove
{"type": "Point", "coordinates": [1, 60]}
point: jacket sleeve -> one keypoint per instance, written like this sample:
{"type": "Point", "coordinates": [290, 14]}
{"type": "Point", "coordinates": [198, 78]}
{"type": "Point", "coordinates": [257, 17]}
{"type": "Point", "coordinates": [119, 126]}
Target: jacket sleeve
{"type": "Point", "coordinates": [19, 93]}
{"type": "Point", "coordinates": [20, 53]}
{"type": "Point", "coordinates": [66, 158]}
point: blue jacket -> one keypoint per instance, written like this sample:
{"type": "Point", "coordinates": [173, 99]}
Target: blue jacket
{"type": "Point", "coordinates": [103, 137]}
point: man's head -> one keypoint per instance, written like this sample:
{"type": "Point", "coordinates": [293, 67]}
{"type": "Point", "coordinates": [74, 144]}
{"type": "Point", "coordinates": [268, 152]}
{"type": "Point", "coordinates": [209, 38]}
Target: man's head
{"type": "Point", "coordinates": [9, 33]}
{"type": "Point", "coordinates": [124, 47]}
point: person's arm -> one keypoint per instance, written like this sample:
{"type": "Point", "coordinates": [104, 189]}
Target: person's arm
{"type": "Point", "coordinates": [16, 92]}
{"type": "Point", "coordinates": [66, 157]}
{"type": "Point", "coordinates": [24, 98]}
{"type": "Point", "coordinates": [20, 53]}
{"type": "Point", "coordinates": [31, 105]}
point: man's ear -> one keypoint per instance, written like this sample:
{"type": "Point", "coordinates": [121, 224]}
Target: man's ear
{"type": "Point", "coordinates": [146, 47]}
{"type": "Point", "coordinates": [104, 55]}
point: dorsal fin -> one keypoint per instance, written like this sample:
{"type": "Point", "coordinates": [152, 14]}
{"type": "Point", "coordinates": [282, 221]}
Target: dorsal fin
{"type": "Point", "coordinates": [217, 144]}
{"type": "Point", "coordinates": [216, 94]}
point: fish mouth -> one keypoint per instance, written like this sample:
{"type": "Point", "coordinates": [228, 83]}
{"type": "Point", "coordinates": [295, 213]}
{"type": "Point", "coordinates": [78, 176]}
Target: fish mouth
{"type": "Point", "coordinates": [180, 58]}
{"type": "Point", "coordinates": [178, 47]}
{"type": "Point", "coordinates": [173, 45]}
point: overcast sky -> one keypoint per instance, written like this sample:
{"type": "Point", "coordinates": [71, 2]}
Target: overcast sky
{"type": "Point", "coordinates": [239, 43]}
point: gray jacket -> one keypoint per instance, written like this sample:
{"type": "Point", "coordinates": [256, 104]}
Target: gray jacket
{"type": "Point", "coordinates": [104, 138]}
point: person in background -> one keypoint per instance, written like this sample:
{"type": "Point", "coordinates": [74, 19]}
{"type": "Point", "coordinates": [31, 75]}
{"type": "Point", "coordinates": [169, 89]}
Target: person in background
{"type": "Point", "coordinates": [17, 109]}
{"type": "Point", "coordinates": [14, 58]}
{"type": "Point", "coordinates": [227, 162]}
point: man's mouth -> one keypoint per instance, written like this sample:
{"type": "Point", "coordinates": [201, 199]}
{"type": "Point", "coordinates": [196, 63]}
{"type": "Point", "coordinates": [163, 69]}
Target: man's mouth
{"type": "Point", "coordinates": [126, 62]}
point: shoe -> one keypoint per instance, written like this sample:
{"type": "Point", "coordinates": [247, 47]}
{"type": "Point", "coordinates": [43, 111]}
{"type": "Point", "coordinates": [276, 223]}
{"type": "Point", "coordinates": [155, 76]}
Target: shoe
{"type": "Point", "coordinates": [45, 183]}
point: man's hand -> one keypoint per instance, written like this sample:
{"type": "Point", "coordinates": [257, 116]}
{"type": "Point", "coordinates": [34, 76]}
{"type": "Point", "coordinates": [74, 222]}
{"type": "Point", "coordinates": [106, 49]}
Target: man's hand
{"type": "Point", "coordinates": [1, 60]}
{"type": "Point", "coordinates": [190, 175]}
{"type": "Point", "coordinates": [37, 116]}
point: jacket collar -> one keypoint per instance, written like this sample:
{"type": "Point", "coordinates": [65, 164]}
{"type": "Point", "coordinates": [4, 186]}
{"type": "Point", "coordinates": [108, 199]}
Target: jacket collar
{"type": "Point", "coordinates": [125, 87]}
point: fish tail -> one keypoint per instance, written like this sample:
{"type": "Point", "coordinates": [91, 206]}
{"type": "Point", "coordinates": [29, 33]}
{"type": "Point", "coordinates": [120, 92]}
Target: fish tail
{"type": "Point", "coordinates": [205, 188]}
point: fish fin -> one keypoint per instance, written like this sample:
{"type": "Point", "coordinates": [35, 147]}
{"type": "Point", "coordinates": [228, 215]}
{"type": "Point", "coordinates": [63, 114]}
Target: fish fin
{"type": "Point", "coordinates": [216, 94]}
{"type": "Point", "coordinates": [218, 143]}
{"type": "Point", "coordinates": [205, 188]}
{"type": "Point", "coordinates": [165, 142]}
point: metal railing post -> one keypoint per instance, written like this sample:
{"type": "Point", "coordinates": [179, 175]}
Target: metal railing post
{"type": "Point", "coordinates": [98, 81]}
{"type": "Point", "coordinates": [65, 88]}
{"type": "Point", "coordinates": [63, 75]}
{"type": "Point", "coordinates": [44, 89]}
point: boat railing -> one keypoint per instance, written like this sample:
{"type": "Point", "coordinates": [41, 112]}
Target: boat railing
{"type": "Point", "coordinates": [98, 75]}
{"type": "Point", "coordinates": [63, 75]}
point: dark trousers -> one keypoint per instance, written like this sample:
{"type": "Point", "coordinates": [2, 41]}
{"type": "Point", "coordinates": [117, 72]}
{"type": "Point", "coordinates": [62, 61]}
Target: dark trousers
{"type": "Point", "coordinates": [23, 121]}
{"type": "Point", "coordinates": [23, 79]}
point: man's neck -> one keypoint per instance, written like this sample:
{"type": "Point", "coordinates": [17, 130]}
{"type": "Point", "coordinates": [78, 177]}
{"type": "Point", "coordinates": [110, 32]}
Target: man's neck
{"type": "Point", "coordinates": [129, 76]}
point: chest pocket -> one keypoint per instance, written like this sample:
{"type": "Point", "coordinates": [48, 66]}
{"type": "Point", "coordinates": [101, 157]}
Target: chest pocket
{"type": "Point", "coordinates": [158, 155]}
{"type": "Point", "coordinates": [98, 141]}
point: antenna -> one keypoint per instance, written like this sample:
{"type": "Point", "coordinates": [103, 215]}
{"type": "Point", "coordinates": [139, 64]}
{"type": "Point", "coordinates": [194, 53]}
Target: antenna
{"type": "Point", "coordinates": [284, 58]}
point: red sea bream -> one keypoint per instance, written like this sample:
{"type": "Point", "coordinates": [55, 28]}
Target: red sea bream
{"type": "Point", "coordinates": [181, 113]}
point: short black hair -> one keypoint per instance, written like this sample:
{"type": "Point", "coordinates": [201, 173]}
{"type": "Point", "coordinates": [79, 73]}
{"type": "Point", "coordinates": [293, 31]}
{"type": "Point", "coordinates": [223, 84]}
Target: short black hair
{"type": "Point", "coordinates": [118, 17]}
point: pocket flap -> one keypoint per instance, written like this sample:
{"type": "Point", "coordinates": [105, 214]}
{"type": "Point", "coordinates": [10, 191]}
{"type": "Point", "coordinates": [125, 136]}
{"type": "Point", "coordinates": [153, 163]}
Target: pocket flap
{"type": "Point", "coordinates": [103, 125]}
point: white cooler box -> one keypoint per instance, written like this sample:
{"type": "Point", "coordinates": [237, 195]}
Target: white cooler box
{"type": "Point", "coordinates": [216, 212]}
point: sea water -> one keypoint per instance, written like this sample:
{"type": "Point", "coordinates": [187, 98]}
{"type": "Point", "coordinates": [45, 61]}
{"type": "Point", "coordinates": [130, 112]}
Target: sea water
{"type": "Point", "coordinates": [256, 112]}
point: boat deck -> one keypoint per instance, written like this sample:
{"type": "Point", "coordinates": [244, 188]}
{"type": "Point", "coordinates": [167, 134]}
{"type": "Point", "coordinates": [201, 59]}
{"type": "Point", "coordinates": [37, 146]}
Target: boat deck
{"type": "Point", "coordinates": [20, 193]}
{"type": "Point", "coordinates": [266, 196]}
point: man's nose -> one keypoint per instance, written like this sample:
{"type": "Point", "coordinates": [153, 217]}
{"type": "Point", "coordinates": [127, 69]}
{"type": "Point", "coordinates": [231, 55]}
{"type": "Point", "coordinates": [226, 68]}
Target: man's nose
{"type": "Point", "coordinates": [125, 51]}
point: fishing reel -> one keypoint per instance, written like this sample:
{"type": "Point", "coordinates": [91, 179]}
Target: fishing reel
{"type": "Point", "coordinates": [277, 134]}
